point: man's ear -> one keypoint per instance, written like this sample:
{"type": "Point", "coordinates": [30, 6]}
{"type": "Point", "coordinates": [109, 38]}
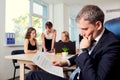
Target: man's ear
{"type": "Point", "coordinates": [98, 25]}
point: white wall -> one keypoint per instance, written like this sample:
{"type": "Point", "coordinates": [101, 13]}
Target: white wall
{"type": "Point", "coordinates": [103, 4]}
{"type": "Point", "coordinates": [6, 66]}
{"type": "Point", "coordinates": [60, 18]}
{"type": "Point", "coordinates": [112, 15]}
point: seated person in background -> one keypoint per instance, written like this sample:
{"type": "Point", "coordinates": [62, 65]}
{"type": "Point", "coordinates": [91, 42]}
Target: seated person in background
{"type": "Point", "coordinates": [65, 42]}
{"type": "Point", "coordinates": [30, 45]}
{"type": "Point", "coordinates": [48, 38]}
{"type": "Point", "coordinates": [65, 37]}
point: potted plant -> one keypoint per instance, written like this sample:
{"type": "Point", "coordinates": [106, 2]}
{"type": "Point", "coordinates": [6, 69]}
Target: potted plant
{"type": "Point", "coordinates": [65, 51]}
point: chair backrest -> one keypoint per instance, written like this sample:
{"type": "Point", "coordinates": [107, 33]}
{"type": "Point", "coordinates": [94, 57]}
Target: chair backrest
{"type": "Point", "coordinates": [80, 38]}
{"type": "Point", "coordinates": [70, 45]}
{"type": "Point", "coordinates": [113, 25]}
{"type": "Point", "coordinates": [16, 52]}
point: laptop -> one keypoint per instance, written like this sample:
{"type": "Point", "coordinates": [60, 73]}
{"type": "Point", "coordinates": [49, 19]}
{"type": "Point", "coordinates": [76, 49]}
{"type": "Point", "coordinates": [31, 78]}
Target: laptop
{"type": "Point", "coordinates": [70, 45]}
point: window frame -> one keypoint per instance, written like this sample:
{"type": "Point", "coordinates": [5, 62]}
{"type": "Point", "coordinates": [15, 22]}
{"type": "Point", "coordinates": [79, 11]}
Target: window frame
{"type": "Point", "coordinates": [74, 31]}
{"type": "Point", "coordinates": [31, 14]}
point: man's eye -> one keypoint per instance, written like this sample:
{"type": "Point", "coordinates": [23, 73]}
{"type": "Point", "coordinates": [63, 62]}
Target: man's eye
{"type": "Point", "coordinates": [84, 28]}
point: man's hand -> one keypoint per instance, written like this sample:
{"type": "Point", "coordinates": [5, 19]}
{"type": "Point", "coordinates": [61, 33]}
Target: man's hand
{"type": "Point", "coordinates": [85, 42]}
{"type": "Point", "coordinates": [60, 63]}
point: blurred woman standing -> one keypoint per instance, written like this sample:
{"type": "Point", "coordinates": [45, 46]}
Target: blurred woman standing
{"type": "Point", "coordinates": [48, 38]}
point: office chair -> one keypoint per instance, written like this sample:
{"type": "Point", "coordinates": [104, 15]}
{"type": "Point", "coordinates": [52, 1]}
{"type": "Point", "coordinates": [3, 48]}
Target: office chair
{"type": "Point", "coordinates": [16, 66]}
{"type": "Point", "coordinates": [68, 69]}
{"type": "Point", "coordinates": [113, 25]}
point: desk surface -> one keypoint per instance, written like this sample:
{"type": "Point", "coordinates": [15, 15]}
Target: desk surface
{"type": "Point", "coordinates": [29, 57]}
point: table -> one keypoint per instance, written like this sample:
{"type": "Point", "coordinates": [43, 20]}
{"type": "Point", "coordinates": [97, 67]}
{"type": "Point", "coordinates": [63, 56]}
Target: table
{"type": "Point", "coordinates": [23, 59]}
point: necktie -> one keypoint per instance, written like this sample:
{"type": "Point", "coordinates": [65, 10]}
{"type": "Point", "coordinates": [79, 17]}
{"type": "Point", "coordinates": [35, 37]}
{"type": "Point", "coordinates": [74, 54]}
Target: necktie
{"type": "Point", "coordinates": [91, 45]}
{"type": "Point", "coordinates": [76, 72]}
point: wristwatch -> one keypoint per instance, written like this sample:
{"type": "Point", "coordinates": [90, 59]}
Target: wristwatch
{"type": "Point", "coordinates": [83, 50]}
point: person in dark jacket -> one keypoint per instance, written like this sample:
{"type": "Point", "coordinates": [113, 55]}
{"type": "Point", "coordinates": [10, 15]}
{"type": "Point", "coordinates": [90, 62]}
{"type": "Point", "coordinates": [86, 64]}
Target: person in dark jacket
{"type": "Point", "coordinates": [101, 61]}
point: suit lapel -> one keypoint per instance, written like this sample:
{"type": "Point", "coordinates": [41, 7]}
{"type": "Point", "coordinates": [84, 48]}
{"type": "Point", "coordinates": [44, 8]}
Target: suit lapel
{"type": "Point", "coordinates": [100, 43]}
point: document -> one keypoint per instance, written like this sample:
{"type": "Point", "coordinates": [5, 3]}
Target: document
{"type": "Point", "coordinates": [41, 60]}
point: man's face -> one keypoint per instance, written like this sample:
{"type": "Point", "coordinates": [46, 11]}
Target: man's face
{"type": "Point", "coordinates": [87, 29]}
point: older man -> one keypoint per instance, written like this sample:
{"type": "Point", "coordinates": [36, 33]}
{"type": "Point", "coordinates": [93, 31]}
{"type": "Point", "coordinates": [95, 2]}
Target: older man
{"type": "Point", "coordinates": [99, 56]}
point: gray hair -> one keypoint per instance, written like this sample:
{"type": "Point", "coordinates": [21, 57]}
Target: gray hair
{"type": "Point", "coordinates": [92, 13]}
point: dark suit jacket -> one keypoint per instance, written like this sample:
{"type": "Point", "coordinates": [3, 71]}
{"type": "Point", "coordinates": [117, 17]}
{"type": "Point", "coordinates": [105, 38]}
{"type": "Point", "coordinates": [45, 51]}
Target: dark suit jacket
{"type": "Point", "coordinates": [104, 61]}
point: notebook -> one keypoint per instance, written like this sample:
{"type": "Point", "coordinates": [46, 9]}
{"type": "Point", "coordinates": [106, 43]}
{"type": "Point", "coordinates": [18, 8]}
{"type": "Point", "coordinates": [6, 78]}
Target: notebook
{"type": "Point", "coordinates": [70, 45]}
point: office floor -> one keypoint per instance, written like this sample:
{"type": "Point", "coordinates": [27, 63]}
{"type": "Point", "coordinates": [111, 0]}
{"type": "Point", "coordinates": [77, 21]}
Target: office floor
{"type": "Point", "coordinates": [17, 78]}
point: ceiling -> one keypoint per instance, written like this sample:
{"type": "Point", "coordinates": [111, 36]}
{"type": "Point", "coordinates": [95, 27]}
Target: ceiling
{"type": "Point", "coordinates": [69, 2]}
{"type": "Point", "coordinates": [76, 5]}
{"type": "Point", "coordinates": [80, 2]}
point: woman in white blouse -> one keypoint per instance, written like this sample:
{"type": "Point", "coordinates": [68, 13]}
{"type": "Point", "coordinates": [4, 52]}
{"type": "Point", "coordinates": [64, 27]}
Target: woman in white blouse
{"type": "Point", "coordinates": [48, 38]}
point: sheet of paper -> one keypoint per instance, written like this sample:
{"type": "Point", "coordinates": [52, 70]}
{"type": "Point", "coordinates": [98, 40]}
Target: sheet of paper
{"type": "Point", "coordinates": [44, 63]}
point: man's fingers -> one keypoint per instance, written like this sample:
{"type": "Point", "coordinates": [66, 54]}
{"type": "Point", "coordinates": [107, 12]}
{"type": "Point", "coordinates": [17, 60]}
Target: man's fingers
{"type": "Point", "coordinates": [56, 63]}
{"type": "Point", "coordinates": [84, 36]}
{"type": "Point", "coordinates": [89, 37]}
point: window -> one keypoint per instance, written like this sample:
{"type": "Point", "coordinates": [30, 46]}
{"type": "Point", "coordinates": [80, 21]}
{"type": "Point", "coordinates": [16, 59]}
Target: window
{"type": "Point", "coordinates": [74, 31]}
{"type": "Point", "coordinates": [21, 14]}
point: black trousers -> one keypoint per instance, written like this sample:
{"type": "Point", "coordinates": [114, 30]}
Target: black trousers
{"type": "Point", "coordinates": [41, 75]}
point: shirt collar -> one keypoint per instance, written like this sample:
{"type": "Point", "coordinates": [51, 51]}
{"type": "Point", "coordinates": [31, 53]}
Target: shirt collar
{"type": "Point", "coordinates": [100, 35]}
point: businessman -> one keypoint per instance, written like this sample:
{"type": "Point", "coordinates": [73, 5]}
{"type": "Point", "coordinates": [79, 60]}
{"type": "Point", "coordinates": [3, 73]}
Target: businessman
{"type": "Point", "coordinates": [99, 56]}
